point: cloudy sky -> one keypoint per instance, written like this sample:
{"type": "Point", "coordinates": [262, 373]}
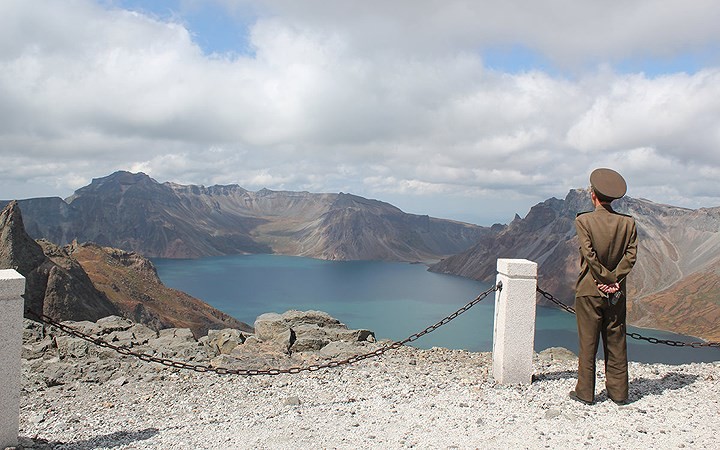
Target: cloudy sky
{"type": "Point", "coordinates": [464, 109]}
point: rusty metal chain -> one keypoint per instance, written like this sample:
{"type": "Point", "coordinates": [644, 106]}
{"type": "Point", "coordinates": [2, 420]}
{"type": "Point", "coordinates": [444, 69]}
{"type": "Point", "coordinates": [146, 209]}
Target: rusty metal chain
{"type": "Point", "coordinates": [636, 336]}
{"type": "Point", "coordinates": [249, 372]}
{"type": "Point", "coordinates": [550, 297]}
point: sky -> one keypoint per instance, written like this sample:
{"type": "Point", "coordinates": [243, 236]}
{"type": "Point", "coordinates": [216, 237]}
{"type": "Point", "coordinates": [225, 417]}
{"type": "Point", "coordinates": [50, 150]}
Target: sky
{"type": "Point", "coordinates": [470, 110]}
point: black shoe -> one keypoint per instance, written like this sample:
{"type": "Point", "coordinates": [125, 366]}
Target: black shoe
{"type": "Point", "coordinates": [574, 396]}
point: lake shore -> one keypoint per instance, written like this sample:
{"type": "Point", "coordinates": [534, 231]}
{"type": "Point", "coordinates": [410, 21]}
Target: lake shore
{"type": "Point", "coordinates": [393, 299]}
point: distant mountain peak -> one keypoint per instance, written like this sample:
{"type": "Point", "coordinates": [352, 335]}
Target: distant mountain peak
{"type": "Point", "coordinates": [124, 177]}
{"type": "Point", "coordinates": [133, 212]}
{"type": "Point", "coordinates": [675, 244]}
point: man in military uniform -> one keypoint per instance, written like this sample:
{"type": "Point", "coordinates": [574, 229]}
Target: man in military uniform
{"type": "Point", "coordinates": [608, 248]}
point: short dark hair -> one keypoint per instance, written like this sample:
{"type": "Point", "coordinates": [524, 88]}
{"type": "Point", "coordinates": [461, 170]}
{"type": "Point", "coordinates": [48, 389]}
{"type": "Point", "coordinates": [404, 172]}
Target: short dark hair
{"type": "Point", "coordinates": [602, 198]}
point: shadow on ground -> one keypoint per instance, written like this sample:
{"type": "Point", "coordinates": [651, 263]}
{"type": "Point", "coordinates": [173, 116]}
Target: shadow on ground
{"type": "Point", "coordinates": [641, 387]}
{"type": "Point", "coordinates": [106, 440]}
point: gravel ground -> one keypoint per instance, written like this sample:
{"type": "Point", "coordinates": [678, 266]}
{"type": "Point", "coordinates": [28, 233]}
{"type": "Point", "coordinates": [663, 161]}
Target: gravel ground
{"type": "Point", "coordinates": [407, 398]}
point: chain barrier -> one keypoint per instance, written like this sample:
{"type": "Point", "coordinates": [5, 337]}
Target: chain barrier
{"type": "Point", "coordinates": [249, 372]}
{"type": "Point", "coordinates": [636, 336]}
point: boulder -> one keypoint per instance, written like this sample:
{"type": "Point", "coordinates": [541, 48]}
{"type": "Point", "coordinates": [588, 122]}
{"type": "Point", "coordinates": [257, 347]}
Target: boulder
{"type": "Point", "coordinates": [72, 347]}
{"type": "Point", "coordinates": [137, 334]}
{"type": "Point", "coordinates": [271, 324]}
{"type": "Point", "coordinates": [113, 323]}
{"type": "Point", "coordinates": [341, 349]}
{"type": "Point", "coordinates": [177, 343]}
{"type": "Point", "coordinates": [312, 330]}
{"type": "Point", "coordinates": [222, 342]}
{"type": "Point", "coordinates": [556, 354]}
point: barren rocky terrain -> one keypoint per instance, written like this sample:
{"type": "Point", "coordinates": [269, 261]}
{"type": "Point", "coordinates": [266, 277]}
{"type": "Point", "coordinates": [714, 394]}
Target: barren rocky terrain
{"type": "Point", "coordinates": [76, 396]}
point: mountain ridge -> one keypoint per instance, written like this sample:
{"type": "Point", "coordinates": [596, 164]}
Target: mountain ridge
{"type": "Point", "coordinates": [676, 245]}
{"type": "Point", "coordinates": [88, 282]}
{"type": "Point", "coordinates": [134, 212]}
{"type": "Point", "coordinates": [673, 286]}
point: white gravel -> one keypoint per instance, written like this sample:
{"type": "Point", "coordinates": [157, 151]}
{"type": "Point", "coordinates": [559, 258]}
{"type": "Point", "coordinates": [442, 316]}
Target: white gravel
{"type": "Point", "coordinates": [407, 398]}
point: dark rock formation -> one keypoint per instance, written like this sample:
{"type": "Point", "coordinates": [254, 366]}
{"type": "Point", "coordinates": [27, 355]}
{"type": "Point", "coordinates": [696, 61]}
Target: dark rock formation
{"type": "Point", "coordinates": [62, 291]}
{"type": "Point", "coordinates": [133, 212]}
{"type": "Point", "coordinates": [674, 285]}
{"type": "Point", "coordinates": [88, 282]}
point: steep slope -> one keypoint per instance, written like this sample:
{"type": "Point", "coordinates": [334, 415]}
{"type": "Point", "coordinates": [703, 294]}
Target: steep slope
{"type": "Point", "coordinates": [354, 228]}
{"type": "Point", "coordinates": [690, 306]}
{"type": "Point", "coordinates": [61, 291]}
{"type": "Point", "coordinates": [131, 283]}
{"type": "Point", "coordinates": [88, 282]}
{"type": "Point", "coordinates": [133, 212]}
{"type": "Point", "coordinates": [679, 253]}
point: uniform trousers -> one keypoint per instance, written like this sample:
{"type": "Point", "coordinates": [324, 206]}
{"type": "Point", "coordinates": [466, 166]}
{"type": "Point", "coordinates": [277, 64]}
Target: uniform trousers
{"type": "Point", "coordinates": [597, 317]}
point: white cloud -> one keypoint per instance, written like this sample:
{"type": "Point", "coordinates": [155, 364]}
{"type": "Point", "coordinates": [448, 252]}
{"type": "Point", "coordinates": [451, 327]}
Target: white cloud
{"type": "Point", "coordinates": [384, 99]}
{"type": "Point", "coordinates": [569, 32]}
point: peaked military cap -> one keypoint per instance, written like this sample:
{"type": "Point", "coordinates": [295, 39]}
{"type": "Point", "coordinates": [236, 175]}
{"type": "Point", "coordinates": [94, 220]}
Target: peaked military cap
{"type": "Point", "coordinates": [608, 183]}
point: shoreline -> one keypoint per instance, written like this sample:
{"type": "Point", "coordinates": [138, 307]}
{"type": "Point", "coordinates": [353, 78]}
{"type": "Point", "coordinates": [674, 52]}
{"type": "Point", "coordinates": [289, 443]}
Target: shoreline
{"type": "Point", "coordinates": [406, 299]}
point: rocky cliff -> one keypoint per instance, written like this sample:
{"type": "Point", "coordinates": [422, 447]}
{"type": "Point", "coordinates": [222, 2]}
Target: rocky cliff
{"type": "Point", "coordinates": [56, 288]}
{"type": "Point", "coordinates": [675, 284]}
{"type": "Point", "coordinates": [89, 282]}
{"type": "Point", "coordinates": [133, 212]}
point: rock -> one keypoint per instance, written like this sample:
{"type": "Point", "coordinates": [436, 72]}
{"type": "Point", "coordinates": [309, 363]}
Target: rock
{"type": "Point", "coordinates": [85, 326]}
{"type": "Point", "coordinates": [251, 341]}
{"type": "Point", "coordinates": [308, 344]}
{"type": "Point", "coordinates": [113, 323]}
{"type": "Point", "coordinates": [556, 354]}
{"type": "Point", "coordinates": [137, 334]}
{"type": "Point", "coordinates": [284, 341]}
{"type": "Point", "coordinates": [33, 331]}
{"type": "Point", "coordinates": [340, 349]}
{"type": "Point", "coordinates": [72, 347]}
{"type": "Point", "coordinates": [177, 335]}
{"type": "Point", "coordinates": [309, 337]}
{"type": "Point", "coordinates": [292, 401]}
{"type": "Point", "coordinates": [222, 342]}
{"type": "Point", "coordinates": [53, 375]}
{"type": "Point", "coordinates": [552, 413]}
{"type": "Point", "coordinates": [177, 343]}
{"type": "Point", "coordinates": [38, 349]}
{"type": "Point", "coordinates": [225, 361]}
{"type": "Point", "coordinates": [271, 324]}
{"type": "Point", "coordinates": [120, 381]}
{"type": "Point", "coordinates": [310, 330]}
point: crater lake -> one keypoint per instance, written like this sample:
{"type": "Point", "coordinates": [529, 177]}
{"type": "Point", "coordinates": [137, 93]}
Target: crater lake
{"type": "Point", "coordinates": [395, 300]}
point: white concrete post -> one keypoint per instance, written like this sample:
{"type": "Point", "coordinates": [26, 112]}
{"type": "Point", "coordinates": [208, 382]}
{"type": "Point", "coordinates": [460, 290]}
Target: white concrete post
{"type": "Point", "coordinates": [12, 287]}
{"type": "Point", "coordinates": [514, 332]}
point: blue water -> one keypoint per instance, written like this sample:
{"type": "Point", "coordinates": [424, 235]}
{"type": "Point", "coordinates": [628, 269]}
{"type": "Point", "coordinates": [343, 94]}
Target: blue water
{"type": "Point", "coordinates": [394, 300]}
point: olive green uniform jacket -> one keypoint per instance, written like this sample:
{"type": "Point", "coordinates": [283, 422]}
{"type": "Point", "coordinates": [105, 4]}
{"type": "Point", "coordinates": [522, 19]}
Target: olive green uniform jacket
{"type": "Point", "coordinates": [608, 249]}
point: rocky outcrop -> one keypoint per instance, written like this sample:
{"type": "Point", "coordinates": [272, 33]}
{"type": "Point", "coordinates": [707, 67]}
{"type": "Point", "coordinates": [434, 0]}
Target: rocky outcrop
{"type": "Point", "coordinates": [306, 331]}
{"type": "Point", "coordinates": [58, 290]}
{"type": "Point", "coordinates": [55, 356]}
{"type": "Point", "coordinates": [674, 285]}
{"type": "Point", "coordinates": [131, 282]}
{"type": "Point", "coordinates": [88, 282]}
{"type": "Point", "coordinates": [135, 213]}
